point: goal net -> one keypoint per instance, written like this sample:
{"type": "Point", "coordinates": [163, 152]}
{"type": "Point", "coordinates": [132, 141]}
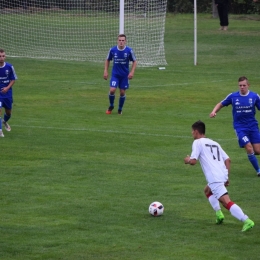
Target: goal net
{"type": "Point", "coordinates": [82, 29]}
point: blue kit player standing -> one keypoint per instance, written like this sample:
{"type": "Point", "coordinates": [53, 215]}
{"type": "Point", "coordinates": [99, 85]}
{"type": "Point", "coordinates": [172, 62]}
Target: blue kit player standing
{"type": "Point", "coordinates": [244, 103]}
{"type": "Point", "coordinates": [7, 80]}
{"type": "Point", "coordinates": [121, 55]}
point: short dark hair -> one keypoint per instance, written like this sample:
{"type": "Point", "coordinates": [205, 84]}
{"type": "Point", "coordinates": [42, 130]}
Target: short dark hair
{"type": "Point", "coordinates": [199, 126]}
{"type": "Point", "coordinates": [2, 50]}
{"type": "Point", "coordinates": [121, 35]}
{"type": "Point", "coordinates": [242, 79]}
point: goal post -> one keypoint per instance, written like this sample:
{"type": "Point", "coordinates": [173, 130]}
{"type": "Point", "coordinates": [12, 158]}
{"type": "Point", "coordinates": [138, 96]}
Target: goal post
{"type": "Point", "coordinates": [122, 17]}
{"type": "Point", "coordinates": [82, 30]}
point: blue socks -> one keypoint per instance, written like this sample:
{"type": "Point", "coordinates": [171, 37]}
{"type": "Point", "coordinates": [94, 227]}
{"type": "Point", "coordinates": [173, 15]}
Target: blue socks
{"type": "Point", "coordinates": [253, 160]}
{"type": "Point", "coordinates": [6, 117]}
{"type": "Point", "coordinates": [111, 99]}
{"type": "Point", "coordinates": [121, 102]}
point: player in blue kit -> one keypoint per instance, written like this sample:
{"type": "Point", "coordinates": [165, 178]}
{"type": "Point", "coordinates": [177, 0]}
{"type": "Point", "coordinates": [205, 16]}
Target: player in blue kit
{"type": "Point", "coordinates": [7, 80]}
{"type": "Point", "coordinates": [121, 55]}
{"type": "Point", "coordinates": [244, 103]}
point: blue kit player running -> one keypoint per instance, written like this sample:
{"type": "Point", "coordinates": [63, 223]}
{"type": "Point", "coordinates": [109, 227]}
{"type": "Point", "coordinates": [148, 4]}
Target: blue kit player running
{"type": "Point", "coordinates": [7, 80]}
{"type": "Point", "coordinates": [121, 55]}
{"type": "Point", "coordinates": [244, 103]}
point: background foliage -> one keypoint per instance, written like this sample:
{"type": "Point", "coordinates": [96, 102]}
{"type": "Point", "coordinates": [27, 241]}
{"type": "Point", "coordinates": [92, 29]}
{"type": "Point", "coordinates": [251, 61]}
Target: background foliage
{"type": "Point", "coordinates": [176, 6]}
{"type": "Point", "coordinates": [205, 6]}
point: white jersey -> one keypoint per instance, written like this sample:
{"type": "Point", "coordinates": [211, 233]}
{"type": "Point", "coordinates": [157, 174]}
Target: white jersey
{"type": "Point", "coordinates": [212, 159]}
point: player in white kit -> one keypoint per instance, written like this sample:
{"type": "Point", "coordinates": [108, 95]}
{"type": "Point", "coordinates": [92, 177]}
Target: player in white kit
{"type": "Point", "coordinates": [215, 165]}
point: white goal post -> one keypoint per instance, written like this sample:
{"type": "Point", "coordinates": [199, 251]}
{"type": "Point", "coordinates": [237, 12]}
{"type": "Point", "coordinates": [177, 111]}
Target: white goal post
{"type": "Point", "coordinates": [82, 30]}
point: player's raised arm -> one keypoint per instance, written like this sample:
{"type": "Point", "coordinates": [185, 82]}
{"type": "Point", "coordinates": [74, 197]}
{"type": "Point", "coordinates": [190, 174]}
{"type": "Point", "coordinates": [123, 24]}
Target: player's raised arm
{"type": "Point", "coordinates": [215, 110]}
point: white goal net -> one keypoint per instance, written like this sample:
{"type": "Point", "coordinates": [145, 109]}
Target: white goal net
{"type": "Point", "coordinates": [82, 29]}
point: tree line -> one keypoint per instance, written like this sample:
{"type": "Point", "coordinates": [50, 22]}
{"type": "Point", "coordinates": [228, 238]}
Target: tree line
{"type": "Point", "coordinates": [205, 6]}
{"type": "Point", "coordinates": [176, 6]}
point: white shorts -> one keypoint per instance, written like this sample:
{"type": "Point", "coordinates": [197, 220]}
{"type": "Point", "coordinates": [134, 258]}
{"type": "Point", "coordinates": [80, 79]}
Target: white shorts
{"type": "Point", "coordinates": [218, 189]}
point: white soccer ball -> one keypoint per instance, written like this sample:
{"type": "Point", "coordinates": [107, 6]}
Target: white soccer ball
{"type": "Point", "coordinates": [156, 209]}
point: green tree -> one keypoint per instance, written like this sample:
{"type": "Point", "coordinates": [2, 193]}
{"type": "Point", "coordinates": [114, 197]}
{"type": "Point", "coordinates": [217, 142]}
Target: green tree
{"type": "Point", "coordinates": [205, 6]}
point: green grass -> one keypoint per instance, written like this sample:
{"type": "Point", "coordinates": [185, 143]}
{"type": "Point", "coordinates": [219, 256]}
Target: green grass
{"type": "Point", "coordinates": [76, 183]}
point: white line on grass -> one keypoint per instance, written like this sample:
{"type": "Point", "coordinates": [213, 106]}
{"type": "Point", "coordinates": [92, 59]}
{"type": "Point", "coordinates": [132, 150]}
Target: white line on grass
{"type": "Point", "coordinates": [101, 82]}
{"type": "Point", "coordinates": [115, 132]}
{"type": "Point", "coordinates": [88, 84]}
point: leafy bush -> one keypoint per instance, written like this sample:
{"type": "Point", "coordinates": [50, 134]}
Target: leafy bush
{"type": "Point", "coordinates": [205, 6]}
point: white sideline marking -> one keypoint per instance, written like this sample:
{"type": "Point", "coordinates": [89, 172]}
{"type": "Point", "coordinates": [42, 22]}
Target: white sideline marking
{"type": "Point", "coordinates": [116, 132]}
{"type": "Point", "coordinates": [133, 85]}
{"type": "Point", "coordinates": [101, 82]}
{"type": "Point", "coordinates": [101, 131]}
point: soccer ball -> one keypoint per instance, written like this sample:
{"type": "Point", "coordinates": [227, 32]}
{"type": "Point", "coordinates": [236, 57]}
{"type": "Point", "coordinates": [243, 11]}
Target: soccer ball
{"type": "Point", "coordinates": [156, 209]}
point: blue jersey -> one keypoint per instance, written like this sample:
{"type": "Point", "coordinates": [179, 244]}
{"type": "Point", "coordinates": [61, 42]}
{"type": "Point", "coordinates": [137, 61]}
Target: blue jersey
{"type": "Point", "coordinates": [7, 73]}
{"type": "Point", "coordinates": [244, 109]}
{"type": "Point", "coordinates": [121, 59]}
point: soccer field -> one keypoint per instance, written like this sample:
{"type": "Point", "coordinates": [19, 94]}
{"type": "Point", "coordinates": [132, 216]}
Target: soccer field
{"type": "Point", "coordinates": [76, 183]}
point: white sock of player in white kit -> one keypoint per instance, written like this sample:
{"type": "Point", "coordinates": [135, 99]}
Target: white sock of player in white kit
{"type": "Point", "coordinates": [236, 211]}
{"type": "Point", "coordinates": [214, 202]}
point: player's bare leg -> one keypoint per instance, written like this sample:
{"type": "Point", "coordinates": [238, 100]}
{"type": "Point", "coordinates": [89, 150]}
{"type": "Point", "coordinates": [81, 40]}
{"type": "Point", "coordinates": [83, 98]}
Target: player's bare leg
{"type": "Point", "coordinates": [256, 148]}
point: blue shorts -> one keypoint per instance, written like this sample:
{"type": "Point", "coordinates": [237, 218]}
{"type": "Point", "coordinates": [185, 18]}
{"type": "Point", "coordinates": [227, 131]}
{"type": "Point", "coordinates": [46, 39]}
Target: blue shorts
{"type": "Point", "coordinates": [6, 103]}
{"type": "Point", "coordinates": [122, 82]}
{"type": "Point", "coordinates": [248, 136]}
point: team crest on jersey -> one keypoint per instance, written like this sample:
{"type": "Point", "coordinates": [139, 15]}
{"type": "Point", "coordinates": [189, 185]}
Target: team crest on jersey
{"type": "Point", "coordinates": [7, 72]}
{"type": "Point", "coordinates": [250, 101]}
{"type": "Point", "coordinates": [115, 55]}
{"type": "Point", "coordinates": [125, 55]}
